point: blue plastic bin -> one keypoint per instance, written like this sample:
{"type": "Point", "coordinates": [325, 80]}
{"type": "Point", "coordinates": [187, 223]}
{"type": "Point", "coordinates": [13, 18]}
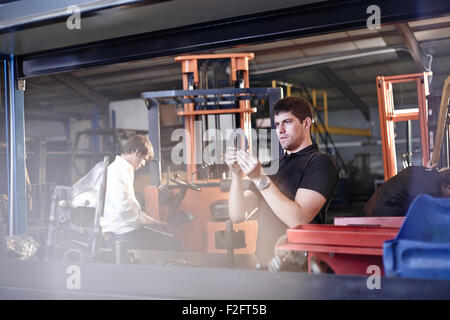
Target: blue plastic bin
{"type": "Point", "coordinates": [422, 246]}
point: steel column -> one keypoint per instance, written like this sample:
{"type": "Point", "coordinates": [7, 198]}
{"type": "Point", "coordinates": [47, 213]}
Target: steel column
{"type": "Point", "coordinates": [15, 136]}
{"type": "Point", "coordinates": [443, 112]}
{"type": "Point", "coordinates": [154, 136]}
{"type": "Point", "coordinates": [422, 92]}
{"type": "Point", "coordinates": [95, 125]}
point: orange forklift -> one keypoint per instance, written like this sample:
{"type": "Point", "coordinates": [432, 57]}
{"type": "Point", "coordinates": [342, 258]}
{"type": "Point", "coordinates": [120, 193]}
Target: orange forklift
{"type": "Point", "coordinates": [195, 194]}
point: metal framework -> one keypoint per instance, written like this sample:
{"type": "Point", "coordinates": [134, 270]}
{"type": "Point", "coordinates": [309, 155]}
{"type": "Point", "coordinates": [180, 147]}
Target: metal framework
{"type": "Point", "coordinates": [15, 148]}
{"type": "Point", "coordinates": [239, 77]}
{"type": "Point", "coordinates": [388, 116]}
{"type": "Point", "coordinates": [156, 98]}
{"type": "Point", "coordinates": [442, 125]}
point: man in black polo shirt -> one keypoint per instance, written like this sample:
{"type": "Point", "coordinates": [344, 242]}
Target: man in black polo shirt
{"type": "Point", "coordinates": [299, 193]}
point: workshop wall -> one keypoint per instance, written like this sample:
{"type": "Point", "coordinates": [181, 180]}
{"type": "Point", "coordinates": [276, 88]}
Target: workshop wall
{"type": "Point", "coordinates": [129, 114]}
{"type": "Point", "coordinates": [47, 129]}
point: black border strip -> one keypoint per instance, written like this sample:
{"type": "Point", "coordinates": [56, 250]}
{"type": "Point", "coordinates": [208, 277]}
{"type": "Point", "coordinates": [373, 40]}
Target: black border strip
{"type": "Point", "coordinates": [324, 17]}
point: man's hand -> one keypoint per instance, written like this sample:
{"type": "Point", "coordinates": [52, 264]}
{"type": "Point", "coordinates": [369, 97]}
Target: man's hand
{"type": "Point", "coordinates": [231, 160]}
{"type": "Point", "coordinates": [249, 164]}
{"type": "Point", "coordinates": [147, 220]}
{"type": "Point", "coordinates": [431, 166]}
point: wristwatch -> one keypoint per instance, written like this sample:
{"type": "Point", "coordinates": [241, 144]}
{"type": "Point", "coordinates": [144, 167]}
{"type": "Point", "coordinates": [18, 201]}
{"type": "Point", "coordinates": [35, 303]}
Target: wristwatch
{"type": "Point", "coordinates": [262, 183]}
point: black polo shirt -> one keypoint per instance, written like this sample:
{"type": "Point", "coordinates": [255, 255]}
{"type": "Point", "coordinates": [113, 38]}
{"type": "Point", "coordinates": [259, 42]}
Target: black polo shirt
{"type": "Point", "coordinates": [395, 196]}
{"type": "Point", "coordinates": [308, 169]}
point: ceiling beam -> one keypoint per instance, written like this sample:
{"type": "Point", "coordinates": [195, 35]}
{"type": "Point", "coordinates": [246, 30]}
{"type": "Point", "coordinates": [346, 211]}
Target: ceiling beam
{"type": "Point", "coordinates": [410, 41]}
{"type": "Point", "coordinates": [340, 84]}
{"type": "Point", "coordinates": [312, 62]}
{"type": "Point", "coordinates": [347, 39]}
{"type": "Point", "coordinates": [299, 21]}
{"type": "Point", "coordinates": [100, 101]}
{"type": "Point", "coordinates": [37, 113]}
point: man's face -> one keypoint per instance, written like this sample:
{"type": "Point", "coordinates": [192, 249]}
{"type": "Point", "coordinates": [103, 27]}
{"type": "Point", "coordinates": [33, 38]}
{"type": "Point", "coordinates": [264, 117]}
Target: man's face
{"type": "Point", "coordinates": [290, 130]}
{"type": "Point", "coordinates": [138, 161]}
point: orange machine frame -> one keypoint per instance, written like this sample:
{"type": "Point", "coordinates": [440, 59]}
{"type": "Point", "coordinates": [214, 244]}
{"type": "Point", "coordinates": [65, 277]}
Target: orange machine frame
{"type": "Point", "coordinates": [189, 66]}
{"type": "Point", "coordinates": [198, 235]}
{"type": "Point", "coordinates": [388, 115]}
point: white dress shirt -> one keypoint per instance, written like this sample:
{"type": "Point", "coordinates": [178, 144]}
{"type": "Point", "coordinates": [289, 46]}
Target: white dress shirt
{"type": "Point", "coordinates": [122, 210]}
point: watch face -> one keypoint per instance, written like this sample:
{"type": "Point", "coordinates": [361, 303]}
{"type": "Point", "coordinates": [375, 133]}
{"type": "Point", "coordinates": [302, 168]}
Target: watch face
{"type": "Point", "coordinates": [263, 183]}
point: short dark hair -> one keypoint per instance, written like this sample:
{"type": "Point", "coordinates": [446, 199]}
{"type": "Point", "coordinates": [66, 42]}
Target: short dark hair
{"type": "Point", "coordinates": [444, 177]}
{"type": "Point", "coordinates": [299, 107]}
{"type": "Point", "coordinates": [139, 143]}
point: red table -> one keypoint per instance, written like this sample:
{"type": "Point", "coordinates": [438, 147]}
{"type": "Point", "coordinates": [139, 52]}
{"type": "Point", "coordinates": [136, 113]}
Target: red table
{"type": "Point", "coordinates": [340, 249]}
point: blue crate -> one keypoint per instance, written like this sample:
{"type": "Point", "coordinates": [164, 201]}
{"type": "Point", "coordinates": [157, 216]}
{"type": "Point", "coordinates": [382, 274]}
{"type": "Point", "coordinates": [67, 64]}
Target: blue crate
{"type": "Point", "coordinates": [422, 246]}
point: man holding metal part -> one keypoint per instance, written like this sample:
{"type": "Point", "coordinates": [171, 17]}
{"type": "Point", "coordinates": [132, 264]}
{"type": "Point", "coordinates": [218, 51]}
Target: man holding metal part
{"type": "Point", "coordinates": [123, 218]}
{"type": "Point", "coordinates": [299, 193]}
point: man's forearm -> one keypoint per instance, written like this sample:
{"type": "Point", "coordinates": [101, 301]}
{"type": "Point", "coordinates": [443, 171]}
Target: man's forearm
{"type": "Point", "coordinates": [287, 210]}
{"type": "Point", "coordinates": [236, 202]}
{"type": "Point", "coordinates": [145, 219]}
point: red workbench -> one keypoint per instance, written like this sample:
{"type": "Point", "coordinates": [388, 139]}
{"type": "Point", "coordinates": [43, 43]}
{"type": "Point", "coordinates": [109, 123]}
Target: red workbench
{"type": "Point", "coordinates": [343, 249]}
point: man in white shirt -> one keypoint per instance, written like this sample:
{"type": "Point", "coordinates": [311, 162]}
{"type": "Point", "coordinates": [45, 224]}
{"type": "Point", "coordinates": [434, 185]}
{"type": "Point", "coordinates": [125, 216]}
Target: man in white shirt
{"type": "Point", "coordinates": [123, 217]}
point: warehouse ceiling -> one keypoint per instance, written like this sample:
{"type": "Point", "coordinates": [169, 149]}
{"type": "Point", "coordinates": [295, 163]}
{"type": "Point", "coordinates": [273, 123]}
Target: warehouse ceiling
{"type": "Point", "coordinates": [29, 26]}
{"type": "Point", "coordinates": [345, 64]}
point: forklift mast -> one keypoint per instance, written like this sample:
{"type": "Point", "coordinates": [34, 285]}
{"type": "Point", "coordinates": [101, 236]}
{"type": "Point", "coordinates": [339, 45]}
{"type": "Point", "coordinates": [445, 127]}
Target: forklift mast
{"type": "Point", "coordinates": [195, 76]}
{"type": "Point", "coordinates": [389, 116]}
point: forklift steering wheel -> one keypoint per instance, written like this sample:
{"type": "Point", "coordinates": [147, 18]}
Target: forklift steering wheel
{"type": "Point", "coordinates": [184, 184]}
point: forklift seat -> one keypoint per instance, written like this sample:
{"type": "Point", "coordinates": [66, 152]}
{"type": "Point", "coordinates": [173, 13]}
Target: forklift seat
{"type": "Point", "coordinates": [74, 224]}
